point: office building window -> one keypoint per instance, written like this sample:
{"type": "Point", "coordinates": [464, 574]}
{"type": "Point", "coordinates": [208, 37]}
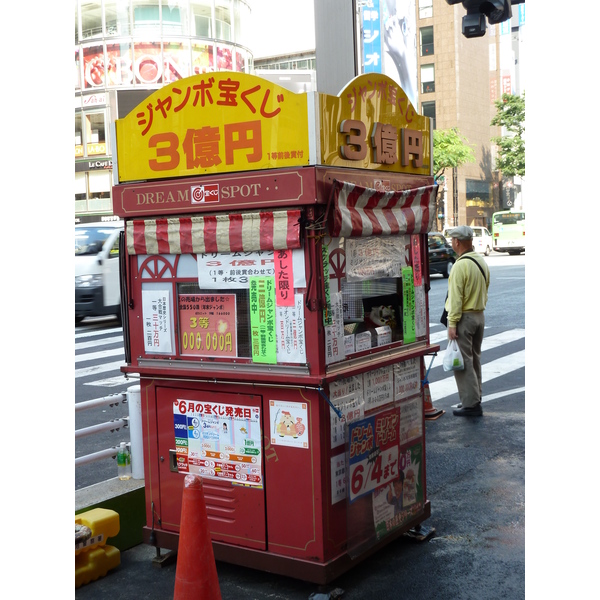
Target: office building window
{"type": "Point", "coordinates": [427, 79]}
{"type": "Point", "coordinates": [425, 9]}
{"type": "Point", "coordinates": [426, 34]}
{"type": "Point", "coordinates": [428, 110]}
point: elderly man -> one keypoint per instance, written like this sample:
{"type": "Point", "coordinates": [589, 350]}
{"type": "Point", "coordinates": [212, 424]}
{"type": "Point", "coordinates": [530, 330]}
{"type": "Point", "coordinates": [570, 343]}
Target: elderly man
{"type": "Point", "coordinates": [467, 297]}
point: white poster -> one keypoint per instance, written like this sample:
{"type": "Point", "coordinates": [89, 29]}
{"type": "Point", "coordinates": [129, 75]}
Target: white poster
{"type": "Point", "coordinates": [420, 312]}
{"type": "Point", "coordinates": [376, 257]}
{"type": "Point", "coordinates": [289, 423]}
{"type": "Point", "coordinates": [407, 378]}
{"type": "Point", "coordinates": [379, 387]}
{"type": "Point", "coordinates": [291, 343]}
{"type": "Point", "coordinates": [224, 270]}
{"type": "Point", "coordinates": [352, 407]}
{"type": "Point", "coordinates": [338, 478]}
{"type": "Point", "coordinates": [156, 312]}
{"type": "Point", "coordinates": [335, 346]}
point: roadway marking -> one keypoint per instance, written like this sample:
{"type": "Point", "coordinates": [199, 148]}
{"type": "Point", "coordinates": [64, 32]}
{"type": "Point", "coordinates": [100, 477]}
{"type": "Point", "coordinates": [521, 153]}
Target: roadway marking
{"type": "Point", "coordinates": [113, 366]}
{"type": "Point", "coordinates": [103, 342]}
{"type": "Point", "coordinates": [101, 354]}
{"type": "Point", "coordinates": [498, 395]}
{"type": "Point", "coordinates": [496, 368]}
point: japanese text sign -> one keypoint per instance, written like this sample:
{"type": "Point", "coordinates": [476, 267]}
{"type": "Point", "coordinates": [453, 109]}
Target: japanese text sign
{"type": "Point", "coordinates": [262, 320]}
{"type": "Point", "coordinates": [218, 441]}
{"type": "Point", "coordinates": [213, 123]}
{"type": "Point", "coordinates": [207, 325]}
{"type": "Point", "coordinates": [376, 127]}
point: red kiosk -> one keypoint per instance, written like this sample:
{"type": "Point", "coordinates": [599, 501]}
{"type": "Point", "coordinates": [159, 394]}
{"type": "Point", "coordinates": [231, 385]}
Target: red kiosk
{"type": "Point", "coordinates": [274, 290]}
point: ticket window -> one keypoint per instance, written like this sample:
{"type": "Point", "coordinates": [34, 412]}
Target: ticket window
{"type": "Point", "coordinates": [376, 288]}
{"type": "Point", "coordinates": [224, 306]}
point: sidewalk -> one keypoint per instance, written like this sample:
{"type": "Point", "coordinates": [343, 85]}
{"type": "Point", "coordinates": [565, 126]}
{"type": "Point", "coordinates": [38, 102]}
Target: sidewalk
{"type": "Point", "coordinates": [476, 485]}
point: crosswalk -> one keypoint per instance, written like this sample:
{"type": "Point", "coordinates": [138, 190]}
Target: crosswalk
{"type": "Point", "coordinates": [95, 354]}
{"type": "Point", "coordinates": [445, 386]}
{"type": "Point", "coordinates": [99, 355]}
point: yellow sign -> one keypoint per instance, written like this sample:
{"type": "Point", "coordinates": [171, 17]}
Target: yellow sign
{"type": "Point", "coordinates": [371, 124]}
{"type": "Point", "coordinates": [213, 123]}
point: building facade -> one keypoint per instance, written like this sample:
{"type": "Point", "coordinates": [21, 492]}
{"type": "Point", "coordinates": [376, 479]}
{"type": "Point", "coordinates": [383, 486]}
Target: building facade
{"type": "Point", "coordinates": [459, 80]}
{"type": "Point", "coordinates": [126, 49]}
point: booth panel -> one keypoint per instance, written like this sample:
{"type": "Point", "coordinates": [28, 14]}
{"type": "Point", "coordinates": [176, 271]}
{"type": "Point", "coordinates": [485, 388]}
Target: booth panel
{"type": "Point", "coordinates": [294, 474]}
{"type": "Point", "coordinates": [218, 436]}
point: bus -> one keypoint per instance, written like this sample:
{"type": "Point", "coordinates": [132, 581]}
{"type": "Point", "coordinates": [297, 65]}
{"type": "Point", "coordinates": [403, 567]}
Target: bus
{"type": "Point", "coordinates": [508, 231]}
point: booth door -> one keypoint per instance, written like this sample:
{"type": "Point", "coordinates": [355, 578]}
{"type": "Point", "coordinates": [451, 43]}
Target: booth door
{"type": "Point", "coordinates": [224, 446]}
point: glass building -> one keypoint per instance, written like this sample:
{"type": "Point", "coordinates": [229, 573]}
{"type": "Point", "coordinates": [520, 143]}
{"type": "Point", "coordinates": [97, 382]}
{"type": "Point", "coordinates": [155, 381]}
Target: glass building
{"type": "Point", "coordinates": [126, 49]}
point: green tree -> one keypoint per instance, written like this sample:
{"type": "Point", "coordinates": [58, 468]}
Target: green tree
{"type": "Point", "coordinates": [511, 147]}
{"type": "Point", "coordinates": [450, 149]}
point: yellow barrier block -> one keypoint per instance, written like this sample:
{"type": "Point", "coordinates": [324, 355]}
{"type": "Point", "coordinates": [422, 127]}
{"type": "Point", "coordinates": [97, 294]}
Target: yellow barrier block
{"type": "Point", "coordinates": [95, 563]}
{"type": "Point", "coordinates": [94, 527]}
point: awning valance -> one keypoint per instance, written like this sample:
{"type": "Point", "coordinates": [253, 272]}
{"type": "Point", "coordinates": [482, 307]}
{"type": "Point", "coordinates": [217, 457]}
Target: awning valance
{"type": "Point", "coordinates": [361, 212]}
{"type": "Point", "coordinates": [231, 232]}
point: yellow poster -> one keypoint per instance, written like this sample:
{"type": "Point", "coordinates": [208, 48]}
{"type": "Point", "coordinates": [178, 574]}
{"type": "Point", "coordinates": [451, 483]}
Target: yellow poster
{"type": "Point", "coordinates": [213, 123]}
{"type": "Point", "coordinates": [371, 124]}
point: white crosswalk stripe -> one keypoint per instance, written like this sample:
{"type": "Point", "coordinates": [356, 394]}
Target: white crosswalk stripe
{"type": "Point", "coordinates": [489, 370]}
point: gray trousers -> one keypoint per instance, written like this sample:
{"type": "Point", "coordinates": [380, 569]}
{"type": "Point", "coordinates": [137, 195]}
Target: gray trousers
{"type": "Point", "coordinates": [470, 337]}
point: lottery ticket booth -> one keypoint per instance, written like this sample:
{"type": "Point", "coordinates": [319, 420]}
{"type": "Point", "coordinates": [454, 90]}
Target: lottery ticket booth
{"type": "Point", "coordinates": [274, 288]}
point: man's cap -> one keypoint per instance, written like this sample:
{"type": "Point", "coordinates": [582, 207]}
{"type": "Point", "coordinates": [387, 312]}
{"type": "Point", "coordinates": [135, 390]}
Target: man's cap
{"type": "Point", "coordinates": [462, 232]}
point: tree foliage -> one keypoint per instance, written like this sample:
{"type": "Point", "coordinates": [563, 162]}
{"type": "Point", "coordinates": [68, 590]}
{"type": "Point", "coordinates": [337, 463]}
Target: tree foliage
{"type": "Point", "coordinates": [450, 149]}
{"type": "Point", "coordinates": [511, 147]}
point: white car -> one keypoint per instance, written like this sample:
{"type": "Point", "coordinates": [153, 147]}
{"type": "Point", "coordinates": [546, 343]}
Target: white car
{"type": "Point", "coordinates": [482, 239]}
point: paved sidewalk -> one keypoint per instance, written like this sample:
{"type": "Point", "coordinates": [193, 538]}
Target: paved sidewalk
{"type": "Point", "coordinates": [476, 485]}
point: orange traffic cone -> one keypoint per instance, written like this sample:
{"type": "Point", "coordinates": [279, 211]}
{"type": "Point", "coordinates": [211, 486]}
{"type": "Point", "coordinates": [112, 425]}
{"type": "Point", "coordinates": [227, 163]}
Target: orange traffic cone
{"type": "Point", "coordinates": [431, 413]}
{"type": "Point", "coordinates": [196, 572]}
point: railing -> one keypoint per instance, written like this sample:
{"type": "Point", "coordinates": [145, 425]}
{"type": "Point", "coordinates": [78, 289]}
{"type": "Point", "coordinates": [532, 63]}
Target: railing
{"type": "Point", "coordinates": [114, 425]}
{"type": "Point", "coordinates": [133, 421]}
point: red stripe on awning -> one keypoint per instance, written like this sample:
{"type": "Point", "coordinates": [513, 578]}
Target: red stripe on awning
{"type": "Point", "coordinates": [162, 236]}
{"type": "Point", "coordinates": [249, 232]}
{"type": "Point", "coordinates": [361, 212]}
{"type": "Point", "coordinates": [185, 235]}
{"type": "Point", "coordinates": [210, 234]}
{"type": "Point", "coordinates": [266, 230]}
{"type": "Point", "coordinates": [139, 237]}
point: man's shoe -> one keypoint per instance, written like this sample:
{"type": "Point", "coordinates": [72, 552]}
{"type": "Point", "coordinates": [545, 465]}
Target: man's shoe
{"type": "Point", "coordinates": [471, 411]}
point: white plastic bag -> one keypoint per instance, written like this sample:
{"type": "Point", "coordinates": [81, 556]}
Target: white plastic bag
{"type": "Point", "coordinates": [453, 360]}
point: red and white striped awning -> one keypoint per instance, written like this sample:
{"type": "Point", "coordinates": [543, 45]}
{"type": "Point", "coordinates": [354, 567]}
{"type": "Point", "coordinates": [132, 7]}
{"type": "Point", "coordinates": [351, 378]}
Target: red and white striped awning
{"type": "Point", "coordinates": [361, 212]}
{"type": "Point", "coordinates": [231, 232]}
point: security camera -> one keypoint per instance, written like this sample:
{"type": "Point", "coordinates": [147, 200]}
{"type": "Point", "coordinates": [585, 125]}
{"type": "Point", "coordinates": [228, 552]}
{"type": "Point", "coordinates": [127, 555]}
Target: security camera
{"type": "Point", "coordinates": [474, 25]}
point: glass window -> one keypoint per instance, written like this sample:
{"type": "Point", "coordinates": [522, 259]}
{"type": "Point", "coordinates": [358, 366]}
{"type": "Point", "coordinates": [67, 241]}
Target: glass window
{"type": "Point", "coordinates": [146, 15]}
{"type": "Point", "coordinates": [242, 18]}
{"type": "Point", "coordinates": [77, 70]}
{"type": "Point", "coordinates": [426, 34]}
{"type": "Point", "coordinates": [427, 79]}
{"type": "Point", "coordinates": [99, 186]}
{"type": "Point", "coordinates": [120, 71]}
{"type": "Point", "coordinates": [201, 18]}
{"type": "Point", "coordinates": [78, 136]}
{"type": "Point", "coordinates": [223, 20]}
{"type": "Point", "coordinates": [428, 110]}
{"type": "Point", "coordinates": [116, 17]}
{"type": "Point", "coordinates": [80, 192]}
{"type": "Point", "coordinates": [91, 19]}
{"type": "Point", "coordinates": [202, 58]}
{"type": "Point", "coordinates": [95, 133]}
{"type": "Point", "coordinates": [425, 9]}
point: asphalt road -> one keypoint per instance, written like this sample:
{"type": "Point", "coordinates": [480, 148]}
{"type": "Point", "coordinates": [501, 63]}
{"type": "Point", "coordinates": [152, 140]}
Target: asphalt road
{"type": "Point", "coordinates": [475, 480]}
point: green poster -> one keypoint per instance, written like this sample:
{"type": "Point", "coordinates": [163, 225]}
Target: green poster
{"type": "Point", "coordinates": [327, 316]}
{"type": "Point", "coordinates": [408, 305]}
{"type": "Point", "coordinates": [262, 320]}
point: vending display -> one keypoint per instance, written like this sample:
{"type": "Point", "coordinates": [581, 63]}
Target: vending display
{"type": "Point", "coordinates": [275, 298]}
